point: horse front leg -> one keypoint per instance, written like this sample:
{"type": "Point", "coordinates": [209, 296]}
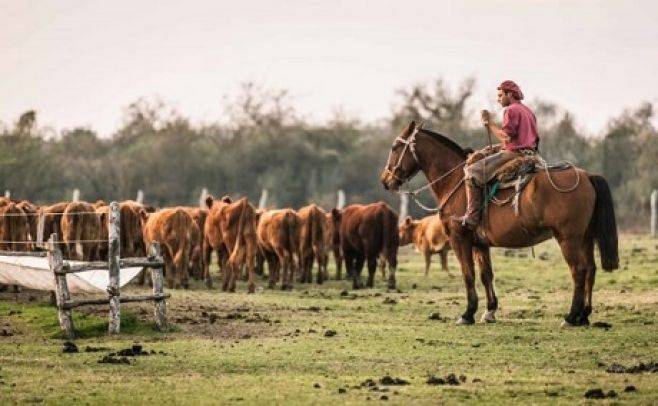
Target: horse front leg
{"type": "Point", "coordinates": [464, 252]}
{"type": "Point", "coordinates": [483, 259]}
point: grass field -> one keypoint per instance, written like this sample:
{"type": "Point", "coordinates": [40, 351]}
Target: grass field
{"type": "Point", "coordinates": [332, 345]}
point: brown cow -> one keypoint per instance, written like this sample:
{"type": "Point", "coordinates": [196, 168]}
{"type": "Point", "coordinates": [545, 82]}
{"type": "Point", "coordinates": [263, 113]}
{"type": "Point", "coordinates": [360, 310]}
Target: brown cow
{"type": "Point", "coordinates": [238, 229]}
{"type": "Point", "coordinates": [212, 237]}
{"type": "Point", "coordinates": [52, 220]}
{"type": "Point", "coordinates": [14, 228]}
{"type": "Point", "coordinates": [332, 241]}
{"type": "Point", "coordinates": [103, 214]}
{"type": "Point", "coordinates": [196, 261]}
{"type": "Point", "coordinates": [80, 231]}
{"type": "Point", "coordinates": [311, 243]}
{"type": "Point", "coordinates": [230, 230]}
{"type": "Point", "coordinates": [429, 237]}
{"type": "Point", "coordinates": [131, 224]}
{"type": "Point", "coordinates": [278, 240]}
{"type": "Point", "coordinates": [366, 231]}
{"type": "Point", "coordinates": [171, 228]}
{"type": "Point", "coordinates": [31, 211]}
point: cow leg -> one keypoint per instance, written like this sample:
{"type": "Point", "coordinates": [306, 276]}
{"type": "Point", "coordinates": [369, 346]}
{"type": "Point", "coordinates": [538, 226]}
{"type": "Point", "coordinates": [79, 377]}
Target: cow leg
{"type": "Point", "coordinates": [427, 253]}
{"type": "Point", "coordinates": [169, 272]}
{"type": "Point", "coordinates": [338, 258]}
{"type": "Point", "coordinates": [321, 272]}
{"type": "Point", "coordinates": [206, 257]}
{"type": "Point", "coordinates": [356, 271]}
{"type": "Point", "coordinates": [392, 268]}
{"type": "Point", "coordinates": [483, 259]}
{"type": "Point", "coordinates": [272, 266]}
{"type": "Point", "coordinates": [443, 253]}
{"type": "Point", "coordinates": [372, 269]}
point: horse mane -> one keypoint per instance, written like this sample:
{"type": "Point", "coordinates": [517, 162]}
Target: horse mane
{"type": "Point", "coordinates": [446, 141]}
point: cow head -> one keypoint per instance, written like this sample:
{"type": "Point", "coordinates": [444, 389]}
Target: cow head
{"type": "Point", "coordinates": [406, 231]}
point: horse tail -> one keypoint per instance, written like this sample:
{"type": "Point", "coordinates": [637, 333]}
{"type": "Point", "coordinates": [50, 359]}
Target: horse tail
{"type": "Point", "coordinates": [603, 224]}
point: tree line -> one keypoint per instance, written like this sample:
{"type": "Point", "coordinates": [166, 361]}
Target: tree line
{"type": "Point", "coordinates": [265, 144]}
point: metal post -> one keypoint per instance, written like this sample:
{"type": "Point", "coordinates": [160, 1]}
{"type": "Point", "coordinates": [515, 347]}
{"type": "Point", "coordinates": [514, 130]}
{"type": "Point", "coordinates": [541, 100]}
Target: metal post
{"type": "Point", "coordinates": [404, 208]}
{"type": "Point", "coordinates": [140, 196]}
{"type": "Point", "coordinates": [113, 262]}
{"type": "Point", "coordinates": [202, 198]}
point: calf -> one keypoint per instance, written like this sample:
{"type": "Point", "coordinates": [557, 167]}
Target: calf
{"type": "Point", "coordinates": [172, 229]}
{"type": "Point", "coordinates": [429, 237]}
{"type": "Point", "coordinates": [312, 243]}
{"type": "Point", "coordinates": [80, 231]}
{"type": "Point", "coordinates": [278, 240]}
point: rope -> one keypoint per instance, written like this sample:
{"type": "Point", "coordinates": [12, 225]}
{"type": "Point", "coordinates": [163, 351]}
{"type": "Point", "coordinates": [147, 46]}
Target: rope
{"type": "Point", "coordinates": [556, 187]}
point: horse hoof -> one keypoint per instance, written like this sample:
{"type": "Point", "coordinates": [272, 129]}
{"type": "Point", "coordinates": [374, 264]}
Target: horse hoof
{"type": "Point", "coordinates": [566, 324]}
{"type": "Point", "coordinates": [463, 322]}
{"type": "Point", "coordinates": [489, 317]}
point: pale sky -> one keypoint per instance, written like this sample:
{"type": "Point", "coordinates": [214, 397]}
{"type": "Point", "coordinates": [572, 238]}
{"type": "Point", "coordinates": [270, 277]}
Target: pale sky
{"type": "Point", "coordinates": [80, 63]}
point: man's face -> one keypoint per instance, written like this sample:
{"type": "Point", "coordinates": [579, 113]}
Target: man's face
{"type": "Point", "coordinates": [504, 98]}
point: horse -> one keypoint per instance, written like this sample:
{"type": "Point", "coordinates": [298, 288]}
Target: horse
{"type": "Point", "coordinates": [577, 219]}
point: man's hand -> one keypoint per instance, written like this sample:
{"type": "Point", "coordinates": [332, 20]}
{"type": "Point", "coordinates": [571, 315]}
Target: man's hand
{"type": "Point", "coordinates": [486, 118]}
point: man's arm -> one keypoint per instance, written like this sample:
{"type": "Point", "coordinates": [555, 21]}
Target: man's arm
{"type": "Point", "coordinates": [493, 128]}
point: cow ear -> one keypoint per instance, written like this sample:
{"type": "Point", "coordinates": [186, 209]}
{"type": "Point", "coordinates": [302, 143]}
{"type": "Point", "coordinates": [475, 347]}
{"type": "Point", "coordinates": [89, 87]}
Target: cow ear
{"type": "Point", "coordinates": [227, 199]}
{"type": "Point", "coordinates": [407, 221]}
{"type": "Point", "coordinates": [209, 201]}
{"type": "Point", "coordinates": [143, 214]}
{"type": "Point", "coordinates": [335, 214]}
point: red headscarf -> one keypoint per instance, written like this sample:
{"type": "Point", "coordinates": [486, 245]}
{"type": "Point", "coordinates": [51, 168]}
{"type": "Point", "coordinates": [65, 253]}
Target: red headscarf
{"type": "Point", "coordinates": [510, 86]}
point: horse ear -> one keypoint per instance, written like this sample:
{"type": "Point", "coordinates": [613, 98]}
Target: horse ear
{"type": "Point", "coordinates": [412, 127]}
{"type": "Point", "coordinates": [420, 126]}
{"type": "Point", "coordinates": [407, 221]}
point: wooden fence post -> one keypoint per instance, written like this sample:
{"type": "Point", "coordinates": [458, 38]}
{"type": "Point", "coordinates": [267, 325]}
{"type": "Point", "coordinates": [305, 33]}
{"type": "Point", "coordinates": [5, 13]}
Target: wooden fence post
{"type": "Point", "coordinates": [654, 213]}
{"type": "Point", "coordinates": [55, 261]}
{"type": "Point", "coordinates": [158, 287]}
{"type": "Point", "coordinates": [113, 263]}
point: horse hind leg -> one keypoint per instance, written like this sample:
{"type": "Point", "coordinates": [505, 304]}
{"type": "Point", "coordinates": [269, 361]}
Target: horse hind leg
{"type": "Point", "coordinates": [483, 259]}
{"type": "Point", "coordinates": [572, 250]}
{"type": "Point", "coordinates": [590, 276]}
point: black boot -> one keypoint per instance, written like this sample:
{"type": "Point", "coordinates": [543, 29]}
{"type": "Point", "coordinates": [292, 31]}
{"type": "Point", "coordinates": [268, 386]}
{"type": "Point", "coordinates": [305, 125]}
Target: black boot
{"type": "Point", "coordinates": [474, 202]}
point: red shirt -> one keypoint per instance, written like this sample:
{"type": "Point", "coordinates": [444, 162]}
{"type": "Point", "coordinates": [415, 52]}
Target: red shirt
{"type": "Point", "coordinates": [520, 123]}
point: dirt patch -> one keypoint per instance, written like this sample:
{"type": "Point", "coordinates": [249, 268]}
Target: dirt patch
{"type": "Point", "coordinates": [450, 379]}
{"type": "Point", "coordinates": [635, 369]}
{"type": "Point", "coordinates": [598, 393]}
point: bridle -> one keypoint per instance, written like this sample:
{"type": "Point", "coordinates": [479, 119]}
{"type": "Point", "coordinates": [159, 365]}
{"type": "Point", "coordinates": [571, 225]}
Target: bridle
{"type": "Point", "coordinates": [410, 144]}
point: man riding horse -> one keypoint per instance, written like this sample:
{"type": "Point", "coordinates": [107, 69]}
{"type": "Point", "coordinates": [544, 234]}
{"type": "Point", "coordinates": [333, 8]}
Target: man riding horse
{"type": "Point", "coordinates": [518, 135]}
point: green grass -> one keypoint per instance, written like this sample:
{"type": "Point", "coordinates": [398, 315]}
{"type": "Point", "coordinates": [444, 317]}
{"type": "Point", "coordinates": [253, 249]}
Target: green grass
{"type": "Point", "coordinates": [271, 349]}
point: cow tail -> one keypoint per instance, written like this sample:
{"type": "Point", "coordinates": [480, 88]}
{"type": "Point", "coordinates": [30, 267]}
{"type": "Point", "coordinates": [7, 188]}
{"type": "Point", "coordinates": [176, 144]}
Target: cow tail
{"type": "Point", "coordinates": [233, 259]}
{"type": "Point", "coordinates": [389, 235]}
{"type": "Point", "coordinates": [291, 221]}
{"type": "Point", "coordinates": [181, 255]}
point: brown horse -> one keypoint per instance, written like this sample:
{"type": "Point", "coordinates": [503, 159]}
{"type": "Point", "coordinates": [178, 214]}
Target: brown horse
{"type": "Point", "coordinates": [577, 219]}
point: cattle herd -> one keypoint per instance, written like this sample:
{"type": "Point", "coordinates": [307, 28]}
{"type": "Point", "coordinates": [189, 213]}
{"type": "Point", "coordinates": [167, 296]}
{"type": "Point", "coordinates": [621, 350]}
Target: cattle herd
{"type": "Point", "coordinates": [243, 238]}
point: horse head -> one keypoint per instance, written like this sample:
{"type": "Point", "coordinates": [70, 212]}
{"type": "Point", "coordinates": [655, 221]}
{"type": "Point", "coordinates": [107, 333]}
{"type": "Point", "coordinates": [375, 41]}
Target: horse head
{"type": "Point", "coordinates": [402, 164]}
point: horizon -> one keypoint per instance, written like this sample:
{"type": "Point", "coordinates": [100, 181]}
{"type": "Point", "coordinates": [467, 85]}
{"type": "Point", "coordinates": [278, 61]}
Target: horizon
{"type": "Point", "coordinates": [81, 63]}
